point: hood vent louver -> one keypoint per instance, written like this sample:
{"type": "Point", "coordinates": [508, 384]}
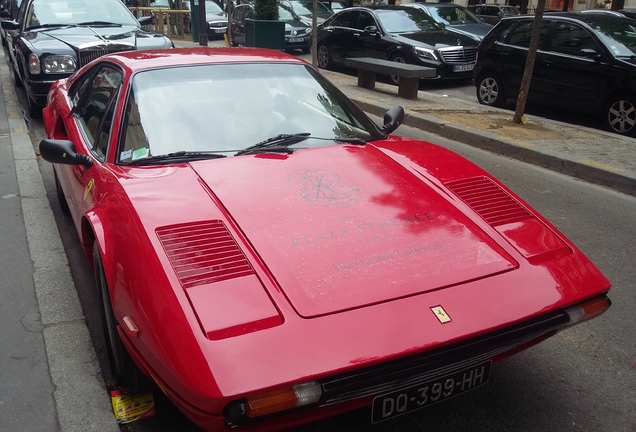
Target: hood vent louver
{"type": "Point", "coordinates": [203, 252]}
{"type": "Point", "coordinates": [489, 200]}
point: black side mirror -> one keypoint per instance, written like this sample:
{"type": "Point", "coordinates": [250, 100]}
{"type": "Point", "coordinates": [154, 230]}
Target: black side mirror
{"type": "Point", "coordinates": [10, 25]}
{"type": "Point", "coordinates": [590, 53]}
{"type": "Point", "coordinates": [393, 118]}
{"type": "Point", "coordinates": [63, 152]}
{"type": "Point", "coordinates": [146, 20]}
{"type": "Point", "coordinates": [372, 30]}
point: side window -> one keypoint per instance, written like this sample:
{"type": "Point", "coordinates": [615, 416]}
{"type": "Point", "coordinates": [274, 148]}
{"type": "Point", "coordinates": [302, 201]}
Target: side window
{"type": "Point", "coordinates": [79, 88]}
{"type": "Point", "coordinates": [365, 20]}
{"type": "Point", "coordinates": [569, 38]}
{"type": "Point", "coordinates": [134, 144]}
{"type": "Point", "coordinates": [520, 35]}
{"type": "Point", "coordinates": [345, 19]}
{"type": "Point", "coordinates": [96, 108]}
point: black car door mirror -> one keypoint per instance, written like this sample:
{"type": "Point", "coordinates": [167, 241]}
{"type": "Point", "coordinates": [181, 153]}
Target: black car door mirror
{"type": "Point", "coordinates": [9, 25]}
{"type": "Point", "coordinates": [393, 118]}
{"type": "Point", "coordinates": [371, 30]}
{"type": "Point", "coordinates": [590, 53]}
{"type": "Point", "coordinates": [63, 152]}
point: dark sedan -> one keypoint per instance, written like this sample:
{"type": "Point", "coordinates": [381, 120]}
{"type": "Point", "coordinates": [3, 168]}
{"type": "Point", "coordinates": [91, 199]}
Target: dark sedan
{"type": "Point", "coordinates": [585, 63]}
{"type": "Point", "coordinates": [50, 39]}
{"type": "Point", "coordinates": [297, 32]}
{"type": "Point", "coordinates": [396, 33]}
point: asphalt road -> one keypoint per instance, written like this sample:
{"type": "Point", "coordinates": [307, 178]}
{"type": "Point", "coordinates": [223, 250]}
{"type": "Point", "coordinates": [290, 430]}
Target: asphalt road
{"type": "Point", "coordinates": [583, 379]}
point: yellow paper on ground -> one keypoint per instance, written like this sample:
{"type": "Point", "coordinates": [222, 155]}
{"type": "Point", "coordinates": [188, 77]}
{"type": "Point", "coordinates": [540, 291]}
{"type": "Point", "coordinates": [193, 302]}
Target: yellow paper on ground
{"type": "Point", "coordinates": [129, 408]}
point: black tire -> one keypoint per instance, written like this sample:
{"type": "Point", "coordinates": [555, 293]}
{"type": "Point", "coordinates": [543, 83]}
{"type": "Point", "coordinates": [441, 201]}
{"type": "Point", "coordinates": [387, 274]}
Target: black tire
{"type": "Point", "coordinates": [60, 195]}
{"type": "Point", "coordinates": [490, 90]}
{"type": "Point", "coordinates": [126, 374]}
{"type": "Point", "coordinates": [398, 59]}
{"type": "Point", "coordinates": [324, 57]}
{"type": "Point", "coordinates": [15, 76]}
{"type": "Point", "coordinates": [35, 110]}
{"type": "Point", "coordinates": [620, 115]}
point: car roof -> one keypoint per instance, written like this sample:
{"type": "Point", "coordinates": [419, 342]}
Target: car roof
{"type": "Point", "coordinates": [155, 59]}
{"type": "Point", "coordinates": [575, 15]}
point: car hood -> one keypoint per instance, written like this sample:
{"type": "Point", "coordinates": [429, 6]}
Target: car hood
{"type": "Point", "coordinates": [437, 38]}
{"type": "Point", "coordinates": [86, 37]}
{"type": "Point", "coordinates": [296, 25]}
{"type": "Point", "coordinates": [216, 16]}
{"type": "Point", "coordinates": [478, 30]}
{"type": "Point", "coordinates": [341, 228]}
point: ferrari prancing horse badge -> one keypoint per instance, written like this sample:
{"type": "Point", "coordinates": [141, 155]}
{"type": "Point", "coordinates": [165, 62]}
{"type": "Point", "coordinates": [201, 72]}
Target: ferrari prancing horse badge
{"type": "Point", "coordinates": [441, 314]}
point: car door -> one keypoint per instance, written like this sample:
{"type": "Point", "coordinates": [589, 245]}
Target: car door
{"type": "Point", "coordinates": [512, 50]}
{"type": "Point", "coordinates": [370, 43]}
{"type": "Point", "coordinates": [567, 75]}
{"type": "Point", "coordinates": [94, 99]}
{"type": "Point", "coordinates": [239, 14]}
{"type": "Point", "coordinates": [342, 35]}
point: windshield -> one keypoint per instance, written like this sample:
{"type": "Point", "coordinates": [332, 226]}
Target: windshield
{"type": "Point", "coordinates": [225, 108]}
{"type": "Point", "coordinates": [405, 20]}
{"type": "Point", "coordinates": [453, 15]}
{"type": "Point", "coordinates": [65, 12]}
{"type": "Point", "coordinates": [509, 11]}
{"type": "Point", "coordinates": [286, 14]}
{"type": "Point", "coordinates": [306, 7]}
{"type": "Point", "coordinates": [619, 35]}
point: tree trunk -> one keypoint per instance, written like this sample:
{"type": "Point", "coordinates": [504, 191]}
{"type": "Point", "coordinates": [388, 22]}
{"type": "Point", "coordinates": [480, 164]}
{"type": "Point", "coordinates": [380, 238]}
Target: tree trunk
{"type": "Point", "coordinates": [527, 72]}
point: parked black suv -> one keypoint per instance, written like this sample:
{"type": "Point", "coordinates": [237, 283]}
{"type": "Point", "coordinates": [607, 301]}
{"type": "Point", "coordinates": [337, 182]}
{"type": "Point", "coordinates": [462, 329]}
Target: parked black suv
{"type": "Point", "coordinates": [585, 62]}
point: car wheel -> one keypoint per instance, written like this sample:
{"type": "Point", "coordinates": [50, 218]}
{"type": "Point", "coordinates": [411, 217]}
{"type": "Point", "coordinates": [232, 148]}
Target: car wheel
{"type": "Point", "coordinates": [620, 115]}
{"type": "Point", "coordinates": [399, 59]}
{"type": "Point", "coordinates": [35, 110]}
{"type": "Point", "coordinates": [60, 195]}
{"type": "Point", "coordinates": [15, 76]}
{"type": "Point", "coordinates": [324, 57]}
{"type": "Point", "coordinates": [490, 90]}
{"type": "Point", "coordinates": [127, 376]}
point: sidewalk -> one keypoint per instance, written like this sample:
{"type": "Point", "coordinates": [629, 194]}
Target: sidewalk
{"type": "Point", "coordinates": [51, 380]}
{"type": "Point", "coordinates": [50, 375]}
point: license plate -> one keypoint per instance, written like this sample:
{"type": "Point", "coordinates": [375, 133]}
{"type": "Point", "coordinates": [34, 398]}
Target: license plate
{"type": "Point", "coordinates": [463, 68]}
{"type": "Point", "coordinates": [297, 40]}
{"type": "Point", "coordinates": [412, 398]}
{"type": "Point", "coordinates": [219, 30]}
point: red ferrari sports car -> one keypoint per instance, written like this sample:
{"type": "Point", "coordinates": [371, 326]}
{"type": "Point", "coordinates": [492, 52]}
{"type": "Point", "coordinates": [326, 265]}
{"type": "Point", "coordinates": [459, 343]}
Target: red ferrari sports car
{"type": "Point", "coordinates": [269, 256]}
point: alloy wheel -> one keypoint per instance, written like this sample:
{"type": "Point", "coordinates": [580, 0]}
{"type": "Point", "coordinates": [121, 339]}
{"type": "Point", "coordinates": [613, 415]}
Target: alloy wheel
{"type": "Point", "coordinates": [621, 117]}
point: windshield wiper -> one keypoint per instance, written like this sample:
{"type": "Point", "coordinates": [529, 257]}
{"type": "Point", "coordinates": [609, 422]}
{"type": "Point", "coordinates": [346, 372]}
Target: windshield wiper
{"type": "Point", "coordinates": [180, 156]}
{"type": "Point", "coordinates": [99, 23]}
{"type": "Point", "coordinates": [278, 143]}
{"type": "Point", "coordinates": [281, 143]}
{"type": "Point", "coordinates": [44, 26]}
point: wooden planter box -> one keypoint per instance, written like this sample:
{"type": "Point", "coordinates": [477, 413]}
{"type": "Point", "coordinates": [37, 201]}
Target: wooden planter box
{"type": "Point", "coordinates": [265, 34]}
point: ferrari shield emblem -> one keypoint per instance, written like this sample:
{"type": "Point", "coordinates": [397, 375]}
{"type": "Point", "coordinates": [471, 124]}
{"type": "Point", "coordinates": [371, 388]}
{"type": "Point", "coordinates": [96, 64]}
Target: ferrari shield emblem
{"type": "Point", "coordinates": [441, 314]}
{"type": "Point", "coordinates": [88, 188]}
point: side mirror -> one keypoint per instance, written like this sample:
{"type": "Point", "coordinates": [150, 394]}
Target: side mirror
{"type": "Point", "coordinates": [9, 25]}
{"type": "Point", "coordinates": [63, 152]}
{"type": "Point", "coordinates": [4, 13]}
{"type": "Point", "coordinates": [145, 20]}
{"type": "Point", "coordinates": [590, 53]}
{"type": "Point", "coordinates": [373, 30]}
{"type": "Point", "coordinates": [393, 118]}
